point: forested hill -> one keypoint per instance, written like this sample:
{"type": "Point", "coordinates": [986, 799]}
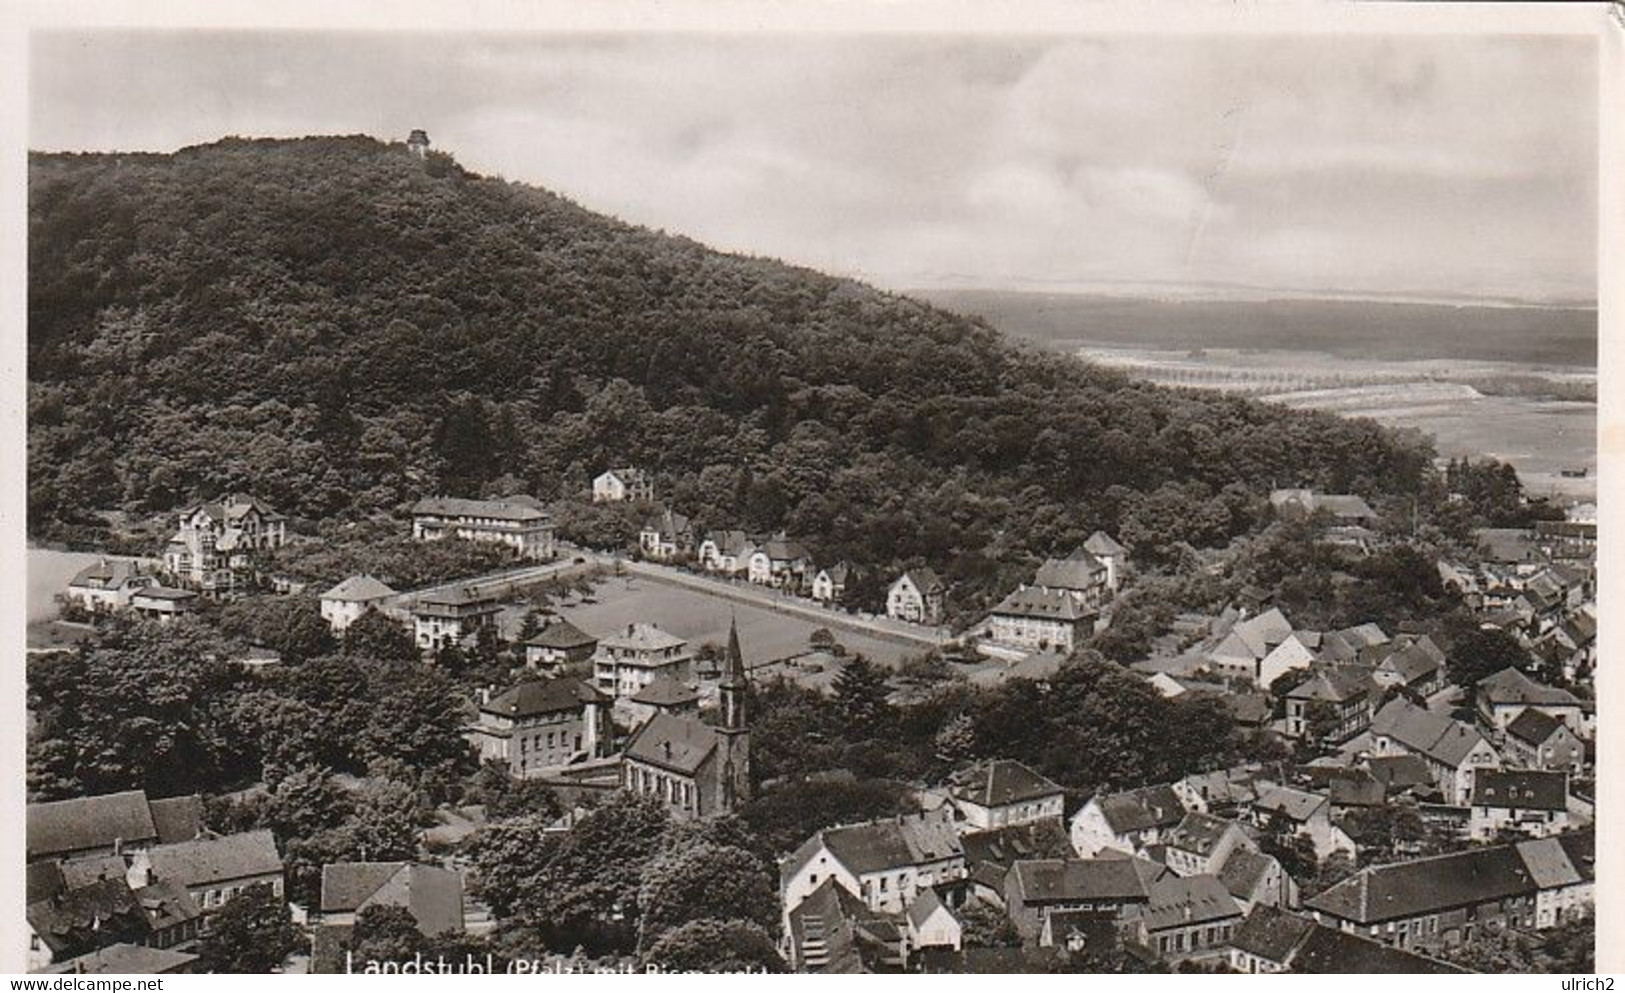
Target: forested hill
{"type": "Point", "coordinates": [341, 327]}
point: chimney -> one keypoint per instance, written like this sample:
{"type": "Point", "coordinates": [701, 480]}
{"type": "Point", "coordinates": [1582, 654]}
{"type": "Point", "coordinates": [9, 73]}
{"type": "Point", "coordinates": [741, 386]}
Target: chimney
{"type": "Point", "coordinates": [665, 747]}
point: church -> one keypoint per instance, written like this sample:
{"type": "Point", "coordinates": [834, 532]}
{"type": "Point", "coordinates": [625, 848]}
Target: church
{"type": "Point", "coordinates": [696, 769]}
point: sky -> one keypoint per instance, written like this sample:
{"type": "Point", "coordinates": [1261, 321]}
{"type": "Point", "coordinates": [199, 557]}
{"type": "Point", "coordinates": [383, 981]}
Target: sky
{"type": "Point", "coordinates": [1418, 165]}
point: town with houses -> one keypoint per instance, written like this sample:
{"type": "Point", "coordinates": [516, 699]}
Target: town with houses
{"type": "Point", "coordinates": [1403, 817]}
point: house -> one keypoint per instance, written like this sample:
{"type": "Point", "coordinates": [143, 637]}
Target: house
{"type": "Point", "coordinates": [213, 869]}
{"type": "Point", "coordinates": [1079, 575]}
{"type": "Point", "coordinates": [917, 597]}
{"type": "Point", "coordinates": [1041, 619]}
{"type": "Point", "coordinates": [931, 924]}
{"type": "Point", "coordinates": [990, 854]}
{"type": "Point", "coordinates": [344, 604]}
{"type": "Point", "coordinates": [1537, 740]}
{"type": "Point", "coordinates": [1110, 554]}
{"type": "Point", "coordinates": [516, 523]}
{"type": "Point", "coordinates": [1298, 650]}
{"type": "Point", "coordinates": [163, 603]}
{"type": "Point", "coordinates": [1004, 793]}
{"type": "Point", "coordinates": [75, 921]}
{"type": "Point", "coordinates": [1241, 650]}
{"type": "Point", "coordinates": [1106, 888]}
{"type": "Point", "coordinates": [1270, 940]}
{"type": "Point", "coordinates": [1500, 698]}
{"type": "Point", "coordinates": [1289, 811]}
{"type": "Point", "coordinates": [829, 585]}
{"type": "Point", "coordinates": [1451, 749]}
{"type": "Point", "coordinates": [663, 695]}
{"type": "Point", "coordinates": [1200, 844]}
{"type": "Point", "coordinates": [697, 769]}
{"type": "Point", "coordinates": [1255, 879]}
{"type": "Point", "coordinates": [666, 535]}
{"type": "Point", "coordinates": [833, 931]}
{"type": "Point", "coordinates": [445, 618]}
{"type": "Point", "coordinates": [108, 585]}
{"type": "Point", "coordinates": [627, 662]}
{"type": "Point", "coordinates": [541, 724]}
{"type": "Point", "coordinates": [1125, 822]}
{"type": "Point", "coordinates": [727, 552]}
{"type": "Point", "coordinates": [1186, 917]}
{"type": "Point", "coordinates": [219, 545]}
{"type": "Point", "coordinates": [1522, 801]}
{"type": "Point", "coordinates": [1345, 691]}
{"type": "Point", "coordinates": [1413, 663]}
{"type": "Point", "coordinates": [1436, 903]}
{"type": "Point", "coordinates": [623, 484]}
{"type": "Point", "coordinates": [432, 895]}
{"type": "Point", "coordinates": [1344, 509]}
{"type": "Point", "coordinates": [109, 824]}
{"type": "Point", "coordinates": [127, 959]}
{"type": "Point", "coordinates": [885, 863]}
{"type": "Point", "coordinates": [781, 563]}
{"type": "Point", "coordinates": [557, 645]}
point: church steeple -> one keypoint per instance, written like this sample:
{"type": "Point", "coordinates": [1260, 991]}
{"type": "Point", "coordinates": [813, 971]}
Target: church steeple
{"type": "Point", "coordinates": [733, 682]}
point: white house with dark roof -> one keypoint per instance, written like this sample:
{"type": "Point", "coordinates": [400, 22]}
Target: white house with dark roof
{"type": "Point", "coordinates": [1109, 553]}
{"type": "Point", "coordinates": [886, 863]}
{"type": "Point", "coordinates": [779, 562]}
{"type": "Point", "coordinates": [1501, 697]}
{"type": "Point", "coordinates": [1108, 889]}
{"type": "Point", "coordinates": [540, 725]}
{"type": "Point", "coordinates": [1294, 812]}
{"type": "Point", "coordinates": [931, 924]}
{"type": "Point", "coordinates": [917, 597]}
{"type": "Point", "coordinates": [1186, 917]}
{"type": "Point", "coordinates": [727, 552]}
{"type": "Point", "coordinates": [666, 535]}
{"type": "Point", "coordinates": [627, 661]}
{"type": "Point", "coordinates": [344, 604]}
{"type": "Point", "coordinates": [108, 584]}
{"type": "Point", "coordinates": [1241, 650]}
{"type": "Point", "coordinates": [109, 824]}
{"type": "Point", "coordinates": [1079, 575]}
{"type": "Point", "coordinates": [626, 483]}
{"type": "Point", "coordinates": [1004, 793]}
{"type": "Point", "coordinates": [449, 617]}
{"type": "Point", "coordinates": [1041, 619]}
{"type": "Point", "coordinates": [1124, 822]}
{"type": "Point", "coordinates": [213, 869]}
{"type": "Point", "coordinates": [432, 895]}
{"type": "Point", "coordinates": [1520, 801]}
{"type": "Point", "coordinates": [1537, 740]}
{"type": "Point", "coordinates": [558, 644]}
{"type": "Point", "coordinates": [1452, 750]}
{"type": "Point", "coordinates": [517, 523]}
{"type": "Point", "coordinates": [1200, 844]}
{"type": "Point", "coordinates": [829, 583]}
{"type": "Point", "coordinates": [163, 604]}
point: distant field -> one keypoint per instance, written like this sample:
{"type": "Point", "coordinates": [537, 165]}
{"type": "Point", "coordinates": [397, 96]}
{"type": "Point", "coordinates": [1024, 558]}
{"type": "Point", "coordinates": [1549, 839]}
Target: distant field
{"type": "Point", "coordinates": [763, 634]}
{"type": "Point", "coordinates": [1353, 329]}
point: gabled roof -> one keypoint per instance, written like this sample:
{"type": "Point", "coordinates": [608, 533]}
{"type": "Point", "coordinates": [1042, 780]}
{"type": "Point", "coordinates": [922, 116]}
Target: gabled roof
{"type": "Point", "coordinates": [784, 550]}
{"type": "Point", "coordinates": [924, 579]}
{"type": "Point", "coordinates": [562, 635]}
{"type": "Point", "coordinates": [1042, 603]}
{"type": "Point", "coordinates": [107, 574]}
{"type": "Point", "coordinates": [1434, 735]}
{"type": "Point", "coordinates": [1270, 933]}
{"type": "Point", "coordinates": [83, 823]}
{"type": "Point", "coordinates": [1000, 782]}
{"type": "Point", "coordinates": [1526, 789]}
{"type": "Point", "coordinates": [501, 510]}
{"type": "Point", "coordinates": [1344, 505]}
{"type": "Point", "coordinates": [876, 846]}
{"type": "Point", "coordinates": [125, 959]}
{"type": "Point", "coordinates": [1137, 810]}
{"type": "Point", "coordinates": [837, 573]}
{"type": "Point", "coordinates": [668, 522]}
{"type": "Point", "coordinates": [1127, 880]}
{"type": "Point", "coordinates": [433, 896]}
{"type": "Point", "coordinates": [1197, 833]}
{"type": "Point", "coordinates": [1429, 885]}
{"type": "Point", "coordinates": [823, 928]}
{"type": "Point", "coordinates": [1511, 687]}
{"type": "Point", "coordinates": [543, 696]}
{"type": "Point", "coordinates": [1295, 804]}
{"type": "Point", "coordinates": [924, 906]}
{"type": "Point", "coordinates": [1328, 951]}
{"type": "Point", "coordinates": [680, 744]}
{"type": "Point", "coordinates": [1071, 573]}
{"type": "Point", "coordinates": [167, 904]}
{"type": "Point", "coordinates": [664, 691]}
{"type": "Point", "coordinates": [1534, 727]}
{"type": "Point", "coordinates": [1399, 772]}
{"type": "Point", "coordinates": [1243, 870]}
{"type": "Point", "coordinates": [209, 860]}
{"type": "Point", "coordinates": [1178, 901]}
{"type": "Point", "coordinates": [1262, 632]}
{"type": "Point", "coordinates": [177, 818]}
{"type": "Point", "coordinates": [1354, 790]}
{"type": "Point", "coordinates": [62, 920]}
{"type": "Point", "coordinates": [1414, 661]}
{"type": "Point", "coordinates": [1100, 543]}
{"type": "Point", "coordinates": [1334, 684]}
{"type": "Point", "coordinates": [729, 542]}
{"type": "Point", "coordinates": [359, 589]}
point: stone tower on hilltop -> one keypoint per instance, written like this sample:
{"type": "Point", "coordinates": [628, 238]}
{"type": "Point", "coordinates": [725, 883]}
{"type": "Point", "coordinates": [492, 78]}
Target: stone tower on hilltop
{"type": "Point", "coordinates": [418, 142]}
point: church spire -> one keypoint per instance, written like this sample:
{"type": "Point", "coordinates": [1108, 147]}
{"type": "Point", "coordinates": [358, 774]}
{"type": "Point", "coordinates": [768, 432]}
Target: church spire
{"type": "Point", "coordinates": [733, 682]}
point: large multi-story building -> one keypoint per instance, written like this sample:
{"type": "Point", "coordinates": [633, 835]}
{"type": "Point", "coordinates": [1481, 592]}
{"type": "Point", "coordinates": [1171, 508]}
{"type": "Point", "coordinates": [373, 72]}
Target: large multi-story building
{"type": "Point", "coordinates": [626, 663]}
{"type": "Point", "coordinates": [518, 523]}
{"type": "Point", "coordinates": [219, 546]}
{"type": "Point", "coordinates": [541, 725]}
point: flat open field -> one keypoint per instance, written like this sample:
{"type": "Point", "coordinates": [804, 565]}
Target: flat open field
{"type": "Point", "coordinates": [763, 635]}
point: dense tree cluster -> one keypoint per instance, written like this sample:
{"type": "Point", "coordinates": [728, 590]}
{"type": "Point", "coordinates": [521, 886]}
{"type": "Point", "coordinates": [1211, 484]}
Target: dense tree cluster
{"type": "Point", "coordinates": [341, 328]}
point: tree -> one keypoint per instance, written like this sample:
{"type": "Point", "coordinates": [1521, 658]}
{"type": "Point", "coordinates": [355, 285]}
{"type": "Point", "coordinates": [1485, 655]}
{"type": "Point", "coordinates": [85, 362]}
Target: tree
{"type": "Point", "coordinates": [385, 934]}
{"type": "Point", "coordinates": [385, 824]}
{"type": "Point", "coordinates": [1476, 653]}
{"type": "Point", "coordinates": [704, 881]}
{"type": "Point", "coordinates": [860, 698]}
{"type": "Point", "coordinates": [714, 946]}
{"type": "Point", "coordinates": [986, 926]}
{"type": "Point", "coordinates": [253, 932]}
{"type": "Point", "coordinates": [374, 636]}
{"type": "Point", "coordinates": [307, 802]}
